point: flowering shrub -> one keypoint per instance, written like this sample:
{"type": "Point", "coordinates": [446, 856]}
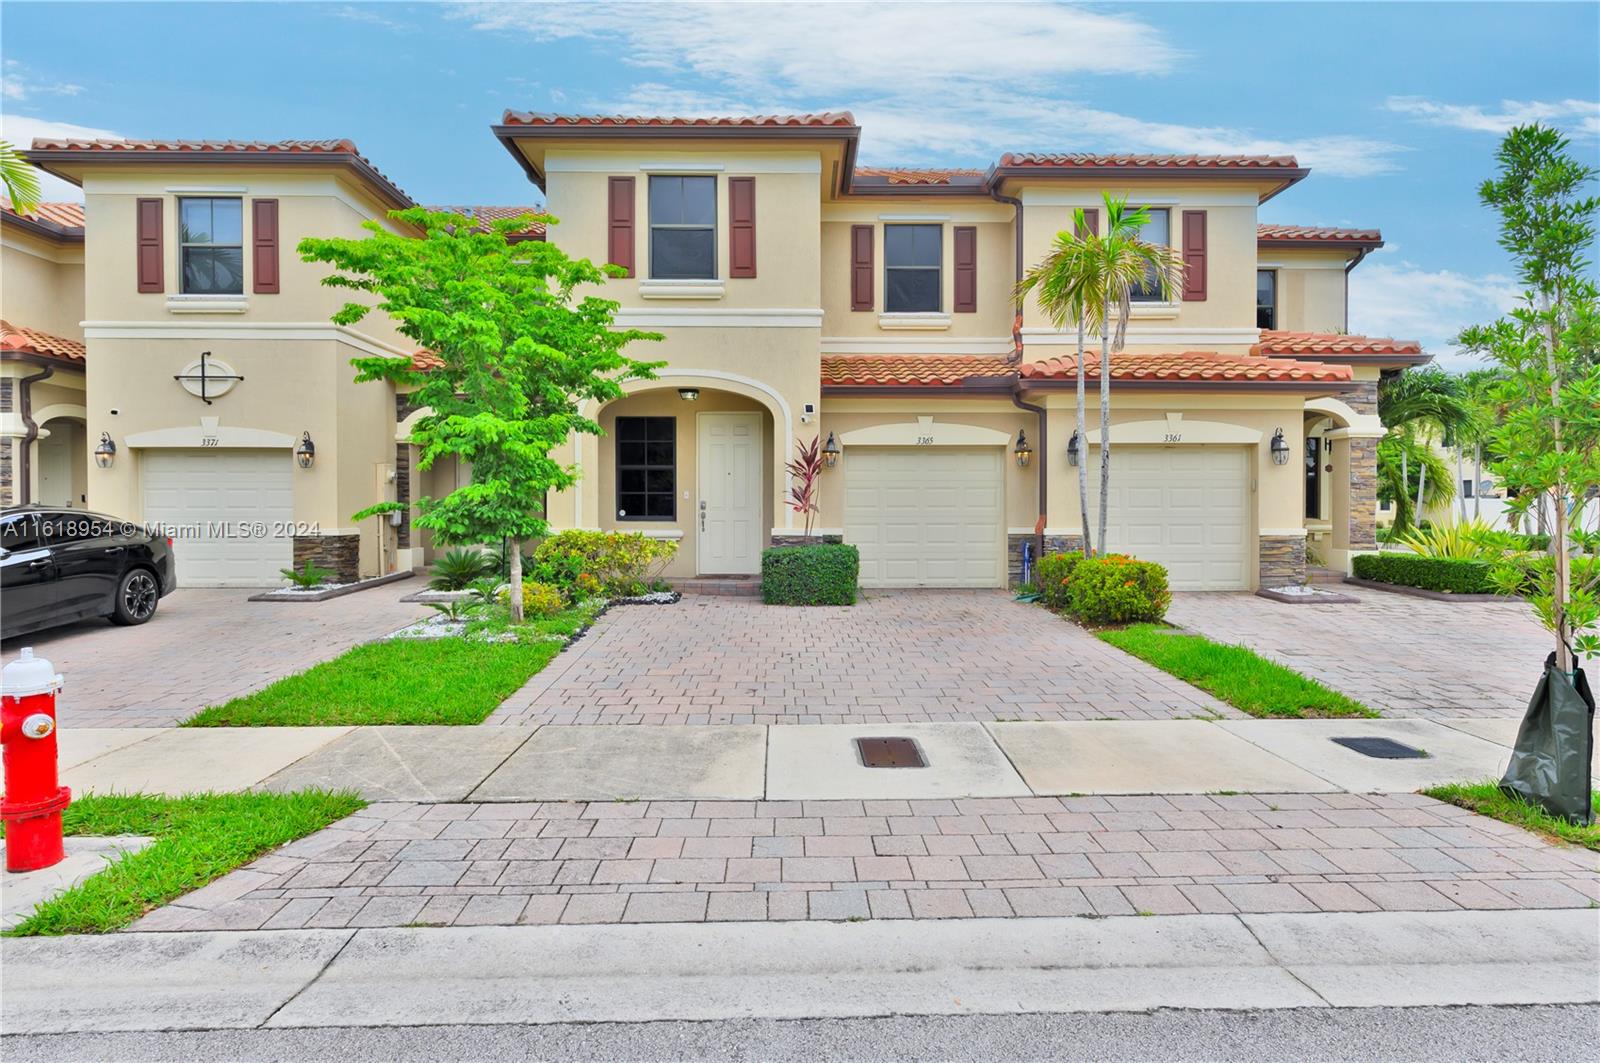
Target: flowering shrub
{"type": "Point", "coordinates": [1117, 589]}
{"type": "Point", "coordinates": [589, 563]}
{"type": "Point", "coordinates": [1054, 574]}
{"type": "Point", "coordinates": [542, 599]}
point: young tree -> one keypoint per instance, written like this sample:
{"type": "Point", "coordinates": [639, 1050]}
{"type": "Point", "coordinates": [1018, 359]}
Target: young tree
{"type": "Point", "coordinates": [805, 473]}
{"type": "Point", "coordinates": [1550, 436]}
{"type": "Point", "coordinates": [515, 355]}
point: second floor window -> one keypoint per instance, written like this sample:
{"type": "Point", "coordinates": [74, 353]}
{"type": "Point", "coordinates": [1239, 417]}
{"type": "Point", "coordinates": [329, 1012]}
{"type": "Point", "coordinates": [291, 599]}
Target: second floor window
{"type": "Point", "coordinates": [1266, 299]}
{"type": "Point", "coordinates": [683, 228]}
{"type": "Point", "coordinates": [1158, 231]}
{"type": "Point", "coordinates": [211, 246]}
{"type": "Point", "coordinates": [912, 257]}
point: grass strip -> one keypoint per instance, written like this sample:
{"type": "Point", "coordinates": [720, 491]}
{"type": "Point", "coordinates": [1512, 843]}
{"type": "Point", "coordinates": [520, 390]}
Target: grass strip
{"type": "Point", "coordinates": [1234, 674]}
{"type": "Point", "coordinates": [198, 838]}
{"type": "Point", "coordinates": [1487, 799]}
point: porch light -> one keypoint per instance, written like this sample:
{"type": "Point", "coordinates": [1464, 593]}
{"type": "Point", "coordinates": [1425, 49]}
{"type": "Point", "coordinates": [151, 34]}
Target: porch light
{"type": "Point", "coordinates": [1280, 448]}
{"type": "Point", "coordinates": [830, 451]}
{"type": "Point", "coordinates": [106, 452]}
{"type": "Point", "coordinates": [1023, 452]}
{"type": "Point", "coordinates": [1072, 450]}
{"type": "Point", "coordinates": [306, 452]}
{"type": "Point", "coordinates": [689, 394]}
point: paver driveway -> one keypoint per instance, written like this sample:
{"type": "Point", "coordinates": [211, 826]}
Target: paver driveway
{"type": "Point", "coordinates": [1403, 656]}
{"type": "Point", "coordinates": [906, 656]}
{"type": "Point", "coordinates": [204, 647]}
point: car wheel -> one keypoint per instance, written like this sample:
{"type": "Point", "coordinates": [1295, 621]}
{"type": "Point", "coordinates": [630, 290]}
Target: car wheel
{"type": "Point", "coordinates": [137, 595]}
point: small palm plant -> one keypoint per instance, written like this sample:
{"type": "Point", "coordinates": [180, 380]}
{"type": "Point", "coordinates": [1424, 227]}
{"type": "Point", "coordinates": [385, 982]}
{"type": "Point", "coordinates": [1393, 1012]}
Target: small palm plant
{"type": "Point", "coordinates": [806, 470]}
{"type": "Point", "coordinates": [485, 591]}
{"type": "Point", "coordinates": [308, 577]}
{"type": "Point", "coordinates": [456, 569]}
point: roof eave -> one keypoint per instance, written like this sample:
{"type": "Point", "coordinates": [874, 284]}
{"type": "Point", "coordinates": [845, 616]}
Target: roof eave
{"type": "Point", "coordinates": [1281, 244]}
{"type": "Point", "coordinates": [44, 229]}
{"type": "Point", "coordinates": [1284, 176]}
{"type": "Point", "coordinates": [1314, 387]}
{"type": "Point", "coordinates": [971, 387]}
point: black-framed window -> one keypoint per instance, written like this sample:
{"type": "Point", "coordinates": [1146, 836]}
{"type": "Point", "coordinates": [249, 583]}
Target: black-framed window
{"type": "Point", "coordinates": [1314, 477]}
{"type": "Point", "coordinates": [647, 468]}
{"type": "Point", "coordinates": [211, 245]}
{"type": "Point", "coordinates": [913, 260]}
{"type": "Point", "coordinates": [1266, 298]}
{"type": "Point", "coordinates": [683, 228]}
{"type": "Point", "coordinates": [1158, 231]}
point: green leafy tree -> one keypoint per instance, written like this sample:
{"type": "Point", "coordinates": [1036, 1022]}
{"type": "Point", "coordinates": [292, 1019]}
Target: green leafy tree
{"type": "Point", "coordinates": [1549, 437]}
{"type": "Point", "coordinates": [516, 354]}
{"type": "Point", "coordinates": [1422, 405]}
{"type": "Point", "coordinates": [21, 180]}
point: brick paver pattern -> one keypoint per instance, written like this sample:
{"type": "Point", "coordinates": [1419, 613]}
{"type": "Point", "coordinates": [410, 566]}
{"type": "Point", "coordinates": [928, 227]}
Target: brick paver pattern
{"type": "Point", "coordinates": [203, 647]}
{"type": "Point", "coordinates": [683, 861]}
{"type": "Point", "coordinates": [905, 656]}
{"type": "Point", "coordinates": [1404, 656]}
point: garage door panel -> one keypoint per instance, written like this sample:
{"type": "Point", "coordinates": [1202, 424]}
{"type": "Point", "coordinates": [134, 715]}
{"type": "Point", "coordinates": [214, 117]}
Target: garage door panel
{"type": "Point", "coordinates": [925, 518]}
{"type": "Point", "coordinates": [207, 495]}
{"type": "Point", "coordinates": [1186, 508]}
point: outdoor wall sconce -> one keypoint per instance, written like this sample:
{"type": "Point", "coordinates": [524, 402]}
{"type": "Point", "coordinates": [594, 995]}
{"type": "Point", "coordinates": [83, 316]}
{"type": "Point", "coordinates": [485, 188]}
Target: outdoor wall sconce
{"type": "Point", "coordinates": [1280, 448]}
{"type": "Point", "coordinates": [1072, 450]}
{"type": "Point", "coordinates": [1023, 451]}
{"type": "Point", "coordinates": [106, 452]}
{"type": "Point", "coordinates": [689, 394]}
{"type": "Point", "coordinates": [306, 452]}
{"type": "Point", "coordinates": [830, 451]}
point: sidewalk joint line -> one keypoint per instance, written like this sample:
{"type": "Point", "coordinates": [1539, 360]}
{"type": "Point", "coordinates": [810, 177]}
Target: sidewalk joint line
{"type": "Point", "coordinates": [1279, 964]}
{"type": "Point", "coordinates": [312, 981]}
{"type": "Point", "coordinates": [536, 728]}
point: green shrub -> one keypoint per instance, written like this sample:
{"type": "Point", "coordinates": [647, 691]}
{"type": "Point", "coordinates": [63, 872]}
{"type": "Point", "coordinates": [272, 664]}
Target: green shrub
{"type": "Point", "coordinates": [623, 563]}
{"type": "Point", "coordinates": [823, 574]}
{"type": "Point", "coordinates": [1525, 541]}
{"type": "Point", "coordinates": [311, 576]}
{"type": "Point", "coordinates": [1452, 575]}
{"type": "Point", "coordinates": [456, 569]}
{"type": "Point", "coordinates": [1116, 589]}
{"type": "Point", "coordinates": [542, 599]}
{"type": "Point", "coordinates": [1055, 571]}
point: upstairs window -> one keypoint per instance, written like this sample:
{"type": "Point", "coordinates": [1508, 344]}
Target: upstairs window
{"type": "Point", "coordinates": [913, 256]}
{"type": "Point", "coordinates": [683, 228]}
{"type": "Point", "coordinates": [1158, 231]}
{"type": "Point", "coordinates": [211, 246]}
{"type": "Point", "coordinates": [647, 468]}
{"type": "Point", "coordinates": [1266, 298]}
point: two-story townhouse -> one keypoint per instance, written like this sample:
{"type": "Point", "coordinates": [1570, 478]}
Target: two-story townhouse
{"type": "Point", "coordinates": [803, 296]}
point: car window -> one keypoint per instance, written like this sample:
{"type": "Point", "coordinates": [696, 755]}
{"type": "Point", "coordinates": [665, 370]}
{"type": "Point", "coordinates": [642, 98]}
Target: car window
{"type": "Point", "coordinates": [64, 529]}
{"type": "Point", "coordinates": [21, 533]}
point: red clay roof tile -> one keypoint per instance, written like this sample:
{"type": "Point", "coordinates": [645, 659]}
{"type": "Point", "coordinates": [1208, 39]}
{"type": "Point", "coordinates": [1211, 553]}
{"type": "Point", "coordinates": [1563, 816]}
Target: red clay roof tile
{"type": "Point", "coordinates": [917, 175]}
{"type": "Point", "coordinates": [42, 344]}
{"type": "Point", "coordinates": [484, 215]}
{"type": "Point", "coordinates": [56, 215]}
{"type": "Point", "coordinates": [1191, 366]}
{"type": "Point", "coordinates": [1313, 234]}
{"type": "Point", "coordinates": [1080, 160]}
{"type": "Point", "coordinates": [536, 118]}
{"type": "Point", "coordinates": [1333, 345]}
{"type": "Point", "coordinates": [909, 370]}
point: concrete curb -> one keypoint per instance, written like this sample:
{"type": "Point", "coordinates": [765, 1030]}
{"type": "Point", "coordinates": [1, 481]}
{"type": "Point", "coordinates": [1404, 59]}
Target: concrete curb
{"type": "Point", "coordinates": [497, 975]}
{"type": "Point", "coordinates": [333, 592]}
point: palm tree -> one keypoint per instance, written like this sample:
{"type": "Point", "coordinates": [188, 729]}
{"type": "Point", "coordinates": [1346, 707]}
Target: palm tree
{"type": "Point", "coordinates": [20, 180]}
{"type": "Point", "coordinates": [1477, 391]}
{"type": "Point", "coordinates": [1421, 403]}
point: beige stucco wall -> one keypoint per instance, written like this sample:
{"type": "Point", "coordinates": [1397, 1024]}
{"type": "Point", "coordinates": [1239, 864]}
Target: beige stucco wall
{"type": "Point", "coordinates": [1311, 289]}
{"type": "Point", "coordinates": [41, 284]}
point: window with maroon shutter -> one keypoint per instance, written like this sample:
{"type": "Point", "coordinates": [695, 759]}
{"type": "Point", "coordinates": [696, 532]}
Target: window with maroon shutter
{"type": "Point", "coordinates": [861, 237]}
{"type": "Point", "coordinates": [966, 249]}
{"type": "Point", "coordinates": [741, 226]}
{"type": "Point", "coordinates": [1194, 255]}
{"type": "Point", "coordinates": [264, 246]}
{"type": "Point", "coordinates": [148, 260]}
{"type": "Point", "coordinates": [620, 210]}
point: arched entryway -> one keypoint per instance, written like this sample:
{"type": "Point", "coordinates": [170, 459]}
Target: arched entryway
{"type": "Point", "coordinates": [1347, 474]}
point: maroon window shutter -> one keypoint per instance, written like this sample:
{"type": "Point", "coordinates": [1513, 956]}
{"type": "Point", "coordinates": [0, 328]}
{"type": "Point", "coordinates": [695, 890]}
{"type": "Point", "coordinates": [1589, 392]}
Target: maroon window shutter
{"type": "Point", "coordinates": [861, 267]}
{"type": "Point", "coordinates": [619, 246]}
{"type": "Point", "coordinates": [741, 226]}
{"type": "Point", "coordinates": [149, 264]}
{"type": "Point", "coordinates": [1092, 217]}
{"type": "Point", "coordinates": [966, 269]}
{"type": "Point", "coordinates": [264, 242]}
{"type": "Point", "coordinates": [1194, 255]}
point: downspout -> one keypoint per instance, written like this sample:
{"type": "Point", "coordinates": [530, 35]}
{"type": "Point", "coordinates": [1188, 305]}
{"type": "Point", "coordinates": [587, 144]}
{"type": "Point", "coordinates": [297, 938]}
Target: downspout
{"type": "Point", "coordinates": [1361, 253]}
{"type": "Point", "coordinates": [1043, 450]}
{"type": "Point", "coordinates": [24, 480]}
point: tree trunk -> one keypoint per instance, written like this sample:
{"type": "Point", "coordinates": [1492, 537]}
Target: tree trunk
{"type": "Point", "coordinates": [1422, 483]}
{"type": "Point", "coordinates": [1403, 497]}
{"type": "Point", "coordinates": [1477, 480]}
{"type": "Point", "coordinates": [1083, 451]}
{"type": "Point", "coordinates": [1462, 499]}
{"type": "Point", "coordinates": [515, 594]}
{"type": "Point", "coordinates": [1105, 416]}
{"type": "Point", "coordinates": [1558, 532]}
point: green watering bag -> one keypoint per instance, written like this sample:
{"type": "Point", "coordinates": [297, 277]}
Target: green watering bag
{"type": "Point", "coordinates": [1550, 763]}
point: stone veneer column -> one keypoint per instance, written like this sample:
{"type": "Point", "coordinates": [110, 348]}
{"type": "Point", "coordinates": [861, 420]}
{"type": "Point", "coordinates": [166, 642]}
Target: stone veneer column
{"type": "Point", "coordinates": [341, 553]}
{"type": "Point", "coordinates": [1363, 511]}
{"type": "Point", "coordinates": [1283, 560]}
{"type": "Point", "coordinates": [1053, 544]}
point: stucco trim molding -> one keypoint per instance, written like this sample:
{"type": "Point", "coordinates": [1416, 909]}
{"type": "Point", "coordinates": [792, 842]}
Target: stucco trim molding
{"type": "Point", "coordinates": [209, 434]}
{"type": "Point", "coordinates": [1375, 432]}
{"type": "Point", "coordinates": [919, 345]}
{"type": "Point", "coordinates": [1366, 425]}
{"type": "Point", "coordinates": [239, 330]}
{"type": "Point", "coordinates": [60, 409]}
{"type": "Point", "coordinates": [714, 317]}
{"type": "Point", "coordinates": [925, 432]}
{"type": "Point", "coordinates": [403, 430]}
{"type": "Point", "coordinates": [1034, 334]}
{"type": "Point", "coordinates": [1282, 533]}
{"type": "Point", "coordinates": [1175, 431]}
{"type": "Point", "coordinates": [649, 289]}
{"type": "Point", "coordinates": [898, 321]}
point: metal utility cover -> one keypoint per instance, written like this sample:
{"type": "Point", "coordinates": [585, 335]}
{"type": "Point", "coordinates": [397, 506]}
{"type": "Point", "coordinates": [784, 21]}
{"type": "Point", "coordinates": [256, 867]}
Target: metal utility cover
{"type": "Point", "coordinates": [1381, 748]}
{"type": "Point", "coordinates": [890, 753]}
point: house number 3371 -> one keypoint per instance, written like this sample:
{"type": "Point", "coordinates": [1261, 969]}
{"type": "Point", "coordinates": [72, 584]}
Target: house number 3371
{"type": "Point", "coordinates": [210, 441]}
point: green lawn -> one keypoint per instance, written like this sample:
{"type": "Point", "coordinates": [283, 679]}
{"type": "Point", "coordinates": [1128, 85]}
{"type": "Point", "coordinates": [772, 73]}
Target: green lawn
{"type": "Point", "coordinates": [1234, 674]}
{"type": "Point", "coordinates": [199, 838]}
{"type": "Point", "coordinates": [404, 681]}
{"type": "Point", "coordinates": [1487, 799]}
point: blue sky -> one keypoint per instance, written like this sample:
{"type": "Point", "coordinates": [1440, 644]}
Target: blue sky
{"type": "Point", "coordinates": [1396, 107]}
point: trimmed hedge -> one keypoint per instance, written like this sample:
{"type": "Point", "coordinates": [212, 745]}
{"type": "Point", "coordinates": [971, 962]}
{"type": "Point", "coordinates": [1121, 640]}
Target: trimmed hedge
{"type": "Point", "coordinates": [822, 574]}
{"type": "Point", "coordinates": [1451, 575]}
{"type": "Point", "coordinates": [1117, 589]}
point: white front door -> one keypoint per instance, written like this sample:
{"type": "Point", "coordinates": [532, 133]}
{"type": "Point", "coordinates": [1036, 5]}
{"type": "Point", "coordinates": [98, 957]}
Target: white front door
{"type": "Point", "coordinates": [926, 516]}
{"type": "Point", "coordinates": [728, 514]}
{"type": "Point", "coordinates": [55, 467]}
{"type": "Point", "coordinates": [234, 510]}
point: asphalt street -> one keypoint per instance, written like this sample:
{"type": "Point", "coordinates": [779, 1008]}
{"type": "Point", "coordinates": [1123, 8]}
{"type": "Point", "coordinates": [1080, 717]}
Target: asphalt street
{"type": "Point", "coordinates": [1462, 1034]}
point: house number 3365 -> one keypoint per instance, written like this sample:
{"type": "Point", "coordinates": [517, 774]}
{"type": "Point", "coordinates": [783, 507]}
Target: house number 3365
{"type": "Point", "coordinates": [924, 441]}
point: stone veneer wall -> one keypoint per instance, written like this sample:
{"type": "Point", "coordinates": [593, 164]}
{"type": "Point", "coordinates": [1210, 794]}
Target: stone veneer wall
{"type": "Point", "coordinates": [341, 553]}
{"type": "Point", "coordinates": [1053, 544]}
{"type": "Point", "coordinates": [402, 492]}
{"type": "Point", "coordinates": [1364, 399]}
{"type": "Point", "coordinates": [1363, 459]}
{"type": "Point", "coordinates": [802, 540]}
{"type": "Point", "coordinates": [8, 445]}
{"type": "Point", "coordinates": [1283, 560]}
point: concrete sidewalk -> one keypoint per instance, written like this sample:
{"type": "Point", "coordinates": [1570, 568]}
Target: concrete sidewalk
{"type": "Point", "coordinates": [788, 762]}
{"type": "Point", "coordinates": [416, 977]}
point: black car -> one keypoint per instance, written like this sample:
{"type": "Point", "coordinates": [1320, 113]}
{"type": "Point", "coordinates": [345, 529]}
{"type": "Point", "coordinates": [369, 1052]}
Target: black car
{"type": "Point", "coordinates": [62, 565]}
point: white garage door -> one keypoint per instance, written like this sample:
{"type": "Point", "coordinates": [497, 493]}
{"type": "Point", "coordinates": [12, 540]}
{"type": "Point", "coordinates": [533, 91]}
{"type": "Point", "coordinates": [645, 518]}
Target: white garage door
{"type": "Point", "coordinates": [1184, 507]}
{"type": "Point", "coordinates": [926, 517]}
{"type": "Point", "coordinates": [228, 505]}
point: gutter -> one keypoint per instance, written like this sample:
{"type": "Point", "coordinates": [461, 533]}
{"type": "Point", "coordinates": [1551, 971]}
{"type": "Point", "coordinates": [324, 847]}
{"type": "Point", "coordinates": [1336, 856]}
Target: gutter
{"type": "Point", "coordinates": [24, 480]}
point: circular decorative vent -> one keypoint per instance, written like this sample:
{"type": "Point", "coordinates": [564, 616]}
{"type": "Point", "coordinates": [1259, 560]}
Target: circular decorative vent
{"type": "Point", "coordinates": [207, 378]}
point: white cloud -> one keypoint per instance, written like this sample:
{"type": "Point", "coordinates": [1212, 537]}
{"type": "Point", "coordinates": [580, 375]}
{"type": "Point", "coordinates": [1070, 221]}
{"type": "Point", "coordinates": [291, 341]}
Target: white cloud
{"type": "Point", "coordinates": [1581, 116]}
{"type": "Point", "coordinates": [18, 83]}
{"type": "Point", "coordinates": [21, 131]}
{"type": "Point", "coordinates": [1390, 296]}
{"type": "Point", "coordinates": [368, 13]}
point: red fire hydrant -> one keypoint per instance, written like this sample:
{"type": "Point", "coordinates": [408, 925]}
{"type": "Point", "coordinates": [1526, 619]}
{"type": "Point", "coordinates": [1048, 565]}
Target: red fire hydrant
{"type": "Point", "coordinates": [33, 799]}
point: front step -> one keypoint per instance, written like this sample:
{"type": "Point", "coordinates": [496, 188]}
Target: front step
{"type": "Point", "coordinates": [735, 586]}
